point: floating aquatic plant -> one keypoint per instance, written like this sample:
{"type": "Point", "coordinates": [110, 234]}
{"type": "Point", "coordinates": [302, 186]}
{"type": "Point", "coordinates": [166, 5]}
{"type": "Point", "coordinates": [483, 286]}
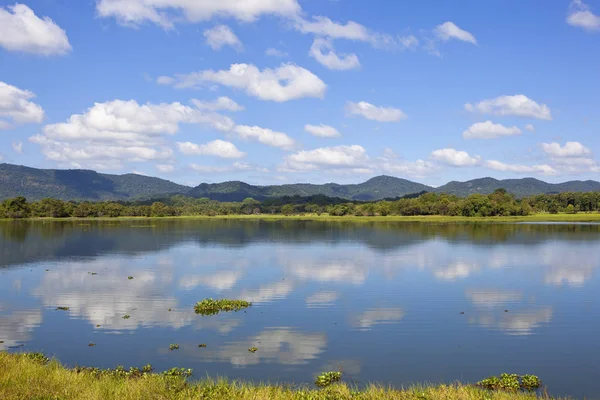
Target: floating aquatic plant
{"type": "Point", "coordinates": [213, 307]}
{"type": "Point", "coordinates": [173, 347]}
{"type": "Point", "coordinates": [130, 277]}
{"type": "Point", "coordinates": [91, 344]}
{"type": "Point", "coordinates": [119, 372]}
{"type": "Point", "coordinates": [327, 378]}
{"type": "Point", "coordinates": [202, 345]}
{"type": "Point", "coordinates": [93, 273]}
{"type": "Point", "coordinates": [252, 349]}
{"type": "Point", "coordinates": [126, 316]}
{"type": "Point", "coordinates": [63, 308]}
{"type": "Point", "coordinates": [511, 382]}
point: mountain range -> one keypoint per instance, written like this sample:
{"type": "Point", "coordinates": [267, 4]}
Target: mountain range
{"type": "Point", "coordinates": [77, 184]}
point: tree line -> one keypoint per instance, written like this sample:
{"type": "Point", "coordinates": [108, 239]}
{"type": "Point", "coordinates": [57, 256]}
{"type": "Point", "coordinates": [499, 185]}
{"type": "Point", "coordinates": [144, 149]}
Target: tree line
{"type": "Point", "coordinates": [498, 203]}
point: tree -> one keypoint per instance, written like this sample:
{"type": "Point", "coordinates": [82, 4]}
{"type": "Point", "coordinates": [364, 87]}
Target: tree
{"type": "Point", "coordinates": [17, 208]}
{"type": "Point", "coordinates": [287, 209]}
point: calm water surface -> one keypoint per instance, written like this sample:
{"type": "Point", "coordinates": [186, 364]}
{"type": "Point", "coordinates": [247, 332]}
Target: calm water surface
{"type": "Point", "coordinates": [381, 302]}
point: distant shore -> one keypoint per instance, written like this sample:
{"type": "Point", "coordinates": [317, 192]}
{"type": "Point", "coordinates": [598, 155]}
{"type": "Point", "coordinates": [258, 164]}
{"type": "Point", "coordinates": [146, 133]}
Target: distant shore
{"type": "Point", "coordinates": [579, 217]}
{"type": "Point", "coordinates": [23, 377]}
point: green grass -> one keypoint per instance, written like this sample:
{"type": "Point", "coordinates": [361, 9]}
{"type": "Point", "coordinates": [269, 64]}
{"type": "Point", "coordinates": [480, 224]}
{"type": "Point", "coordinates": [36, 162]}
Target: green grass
{"type": "Point", "coordinates": [213, 307]}
{"type": "Point", "coordinates": [580, 217]}
{"type": "Point", "coordinates": [24, 377]}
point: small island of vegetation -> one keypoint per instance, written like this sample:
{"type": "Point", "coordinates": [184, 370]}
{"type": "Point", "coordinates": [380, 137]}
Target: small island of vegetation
{"type": "Point", "coordinates": [213, 307]}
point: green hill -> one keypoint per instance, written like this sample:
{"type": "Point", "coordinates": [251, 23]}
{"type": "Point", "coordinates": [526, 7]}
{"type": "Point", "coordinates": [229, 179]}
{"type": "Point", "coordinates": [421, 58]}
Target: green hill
{"type": "Point", "coordinates": [518, 187]}
{"type": "Point", "coordinates": [374, 189]}
{"type": "Point", "coordinates": [36, 184]}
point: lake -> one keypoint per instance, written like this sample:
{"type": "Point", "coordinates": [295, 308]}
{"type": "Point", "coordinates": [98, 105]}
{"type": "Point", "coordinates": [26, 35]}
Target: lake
{"type": "Point", "coordinates": [395, 303]}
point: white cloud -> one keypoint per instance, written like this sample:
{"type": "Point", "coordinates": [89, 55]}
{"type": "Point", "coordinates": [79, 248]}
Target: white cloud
{"type": "Point", "coordinates": [285, 83]}
{"type": "Point", "coordinates": [222, 35]}
{"type": "Point", "coordinates": [22, 30]}
{"type": "Point", "coordinates": [276, 53]}
{"type": "Point", "coordinates": [580, 15]}
{"type": "Point", "coordinates": [109, 134]}
{"type": "Point", "coordinates": [334, 157]}
{"type": "Point", "coordinates": [489, 130]}
{"type": "Point", "coordinates": [15, 104]}
{"type": "Point", "coordinates": [221, 103]}
{"type": "Point", "coordinates": [165, 168]}
{"type": "Point", "coordinates": [448, 30]}
{"type": "Point", "coordinates": [570, 149]}
{"type": "Point", "coordinates": [324, 27]}
{"type": "Point", "coordinates": [489, 298]}
{"type": "Point", "coordinates": [543, 169]}
{"type": "Point", "coordinates": [217, 148]}
{"type": "Point", "coordinates": [530, 128]}
{"type": "Point", "coordinates": [166, 12]}
{"type": "Point", "coordinates": [235, 167]}
{"type": "Point", "coordinates": [455, 158]}
{"type": "Point", "coordinates": [322, 130]}
{"type": "Point", "coordinates": [165, 80]}
{"type": "Point", "coordinates": [518, 105]}
{"type": "Point", "coordinates": [322, 50]}
{"type": "Point", "coordinates": [369, 111]}
{"type": "Point", "coordinates": [417, 169]}
{"type": "Point", "coordinates": [17, 147]}
{"type": "Point", "coordinates": [265, 136]}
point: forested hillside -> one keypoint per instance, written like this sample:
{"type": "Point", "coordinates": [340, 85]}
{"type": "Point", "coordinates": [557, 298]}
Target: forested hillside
{"type": "Point", "coordinates": [35, 184]}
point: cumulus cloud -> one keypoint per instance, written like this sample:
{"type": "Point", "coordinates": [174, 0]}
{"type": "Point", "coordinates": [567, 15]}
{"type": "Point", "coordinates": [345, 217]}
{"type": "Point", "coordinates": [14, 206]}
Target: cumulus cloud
{"type": "Point", "coordinates": [15, 105]}
{"type": "Point", "coordinates": [530, 128]}
{"type": "Point", "coordinates": [222, 35]}
{"type": "Point", "coordinates": [543, 169]}
{"type": "Point", "coordinates": [581, 16]}
{"type": "Point", "coordinates": [324, 27]}
{"type": "Point", "coordinates": [285, 83]}
{"type": "Point", "coordinates": [276, 53]}
{"type": "Point", "coordinates": [17, 147]}
{"type": "Point", "coordinates": [217, 148]}
{"type": "Point", "coordinates": [22, 30]}
{"type": "Point", "coordinates": [372, 112]}
{"type": "Point", "coordinates": [265, 136]}
{"type": "Point", "coordinates": [109, 134]}
{"type": "Point", "coordinates": [518, 105]}
{"type": "Point", "coordinates": [322, 50]}
{"type": "Point", "coordinates": [322, 130]}
{"type": "Point", "coordinates": [455, 158]}
{"type": "Point", "coordinates": [449, 30]}
{"type": "Point", "coordinates": [166, 12]}
{"type": "Point", "coordinates": [330, 157]}
{"type": "Point", "coordinates": [235, 167]}
{"type": "Point", "coordinates": [489, 130]}
{"type": "Point", "coordinates": [570, 149]}
{"type": "Point", "coordinates": [165, 168]}
{"type": "Point", "coordinates": [221, 103]}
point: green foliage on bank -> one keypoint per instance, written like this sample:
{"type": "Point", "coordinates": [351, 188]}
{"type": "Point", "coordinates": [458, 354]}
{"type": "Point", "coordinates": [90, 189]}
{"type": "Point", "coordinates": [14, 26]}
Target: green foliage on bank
{"type": "Point", "coordinates": [499, 203]}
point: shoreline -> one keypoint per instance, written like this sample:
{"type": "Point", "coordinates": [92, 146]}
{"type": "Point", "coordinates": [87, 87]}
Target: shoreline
{"type": "Point", "coordinates": [580, 217]}
{"type": "Point", "coordinates": [28, 377]}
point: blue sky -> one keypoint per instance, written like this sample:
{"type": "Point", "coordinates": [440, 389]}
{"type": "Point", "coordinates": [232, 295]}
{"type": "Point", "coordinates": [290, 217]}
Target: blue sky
{"type": "Point", "coordinates": [276, 91]}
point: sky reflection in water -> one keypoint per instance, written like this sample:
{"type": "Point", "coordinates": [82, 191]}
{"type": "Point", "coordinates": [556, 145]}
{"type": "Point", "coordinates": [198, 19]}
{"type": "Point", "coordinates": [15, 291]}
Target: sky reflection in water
{"type": "Point", "coordinates": [382, 302]}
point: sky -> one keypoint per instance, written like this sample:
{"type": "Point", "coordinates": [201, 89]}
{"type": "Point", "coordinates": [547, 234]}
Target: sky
{"type": "Point", "coordinates": [286, 91]}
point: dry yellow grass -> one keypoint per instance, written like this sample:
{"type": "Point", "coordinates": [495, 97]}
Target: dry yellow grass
{"type": "Point", "coordinates": [24, 378]}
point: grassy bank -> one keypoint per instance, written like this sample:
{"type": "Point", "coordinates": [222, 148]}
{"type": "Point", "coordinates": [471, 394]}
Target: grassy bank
{"type": "Point", "coordinates": [25, 378]}
{"type": "Point", "coordinates": [580, 217]}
